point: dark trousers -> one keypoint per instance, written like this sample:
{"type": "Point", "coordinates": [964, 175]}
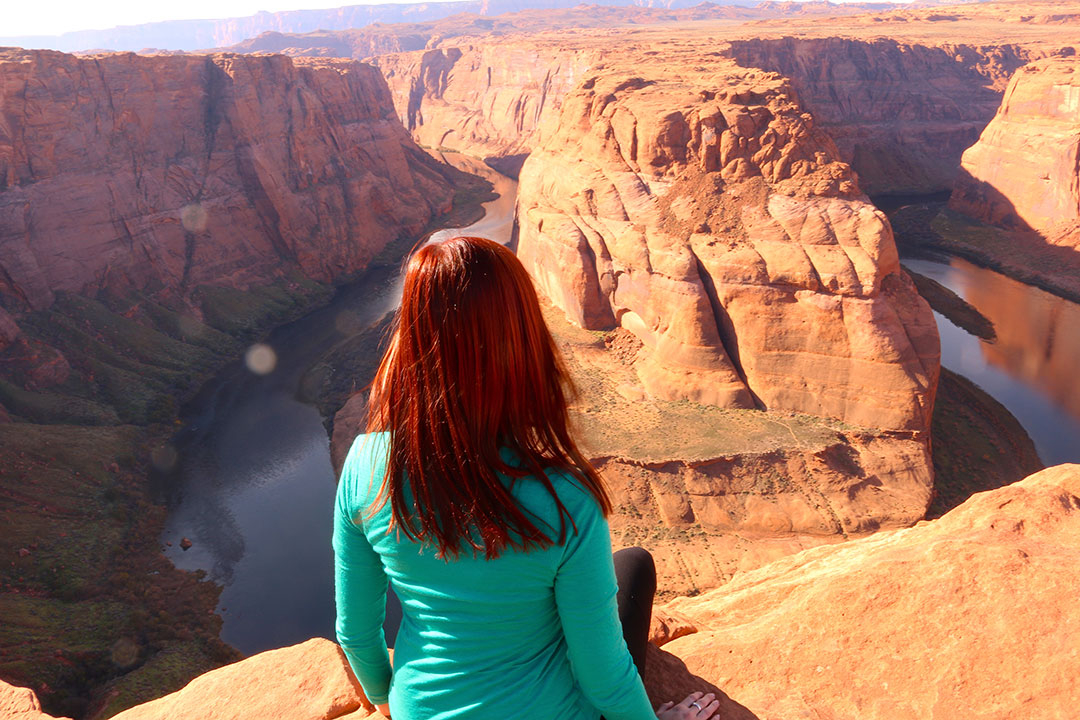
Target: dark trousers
{"type": "Point", "coordinates": [636, 576]}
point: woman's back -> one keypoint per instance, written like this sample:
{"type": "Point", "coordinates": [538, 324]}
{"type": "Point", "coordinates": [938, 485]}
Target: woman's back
{"type": "Point", "coordinates": [526, 634]}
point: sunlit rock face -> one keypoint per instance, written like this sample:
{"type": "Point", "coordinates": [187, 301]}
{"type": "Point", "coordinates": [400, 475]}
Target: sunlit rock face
{"type": "Point", "coordinates": [901, 114]}
{"type": "Point", "coordinates": [1024, 172]}
{"type": "Point", "coordinates": [167, 172]}
{"type": "Point", "coordinates": [700, 208]}
{"type": "Point", "coordinates": [485, 99]}
{"type": "Point", "coordinates": [971, 615]}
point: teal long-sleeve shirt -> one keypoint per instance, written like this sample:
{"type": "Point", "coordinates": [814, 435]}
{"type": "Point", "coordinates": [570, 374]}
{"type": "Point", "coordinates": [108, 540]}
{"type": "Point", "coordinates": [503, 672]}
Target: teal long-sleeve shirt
{"type": "Point", "coordinates": [527, 635]}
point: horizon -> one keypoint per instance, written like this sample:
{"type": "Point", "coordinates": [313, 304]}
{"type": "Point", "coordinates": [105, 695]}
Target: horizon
{"type": "Point", "coordinates": [68, 16]}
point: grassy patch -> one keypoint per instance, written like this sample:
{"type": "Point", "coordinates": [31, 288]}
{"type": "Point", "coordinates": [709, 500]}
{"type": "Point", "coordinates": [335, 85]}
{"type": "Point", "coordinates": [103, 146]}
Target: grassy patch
{"type": "Point", "coordinates": [248, 313]}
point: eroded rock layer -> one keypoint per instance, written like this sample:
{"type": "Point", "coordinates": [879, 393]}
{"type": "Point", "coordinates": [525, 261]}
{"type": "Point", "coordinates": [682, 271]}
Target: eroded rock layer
{"type": "Point", "coordinates": [701, 209]}
{"type": "Point", "coordinates": [160, 172]}
{"type": "Point", "coordinates": [1024, 172]}
{"type": "Point", "coordinates": [486, 99]}
{"type": "Point", "coordinates": [929, 621]}
{"type": "Point", "coordinates": [901, 113]}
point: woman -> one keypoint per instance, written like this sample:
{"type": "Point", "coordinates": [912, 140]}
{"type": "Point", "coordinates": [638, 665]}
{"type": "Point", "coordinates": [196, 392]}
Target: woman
{"type": "Point", "coordinates": [470, 495]}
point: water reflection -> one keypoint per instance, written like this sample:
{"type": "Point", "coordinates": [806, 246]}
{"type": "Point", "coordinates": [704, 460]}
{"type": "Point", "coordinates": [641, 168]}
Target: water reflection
{"type": "Point", "coordinates": [1030, 368]}
{"type": "Point", "coordinates": [253, 488]}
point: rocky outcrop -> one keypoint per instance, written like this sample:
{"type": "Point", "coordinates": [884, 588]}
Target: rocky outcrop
{"type": "Point", "coordinates": [901, 113]}
{"type": "Point", "coordinates": [702, 210]}
{"type": "Point", "coordinates": [310, 681]}
{"type": "Point", "coordinates": [18, 703]}
{"type": "Point", "coordinates": [169, 172]}
{"type": "Point", "coordinates": [928, 621]}
{"type": "Point", "coordinates": [1024, 172]}
{"type": "Point", "coordinates": [484, 99]}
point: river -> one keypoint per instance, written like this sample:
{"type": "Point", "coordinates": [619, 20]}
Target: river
{"type": "Point", "coordinates": [254, 485]}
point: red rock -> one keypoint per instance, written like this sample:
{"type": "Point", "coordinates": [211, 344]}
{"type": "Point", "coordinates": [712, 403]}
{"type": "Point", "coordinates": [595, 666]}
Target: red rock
{"type": "Point", "coordinates": [310, 681]}
{"type": "Point", "coordinates": [175, 171]}
{"type": "Point", "coordinates": [794, 296]}
{"type": "Point", "coordinates": [1023, 172]}
{"type": "Point", "coordinates": [901, 112]}
{"type": "Point", "coordinates": [17, 703]}
{"type": "Point", "coordinates": [929, 621]}
{"type": "Point", "coordinates": [185, 544]}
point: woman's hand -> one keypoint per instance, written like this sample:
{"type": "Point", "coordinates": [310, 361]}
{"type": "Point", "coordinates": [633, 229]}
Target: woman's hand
{"type": "Point", "coordinates": [696, 706]}
{"type": "Point", "coordinates": [384, 709]}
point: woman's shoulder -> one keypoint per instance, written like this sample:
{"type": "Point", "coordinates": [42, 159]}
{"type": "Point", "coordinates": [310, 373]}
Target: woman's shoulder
{"type": "Point", "coordinates": [364, 466]}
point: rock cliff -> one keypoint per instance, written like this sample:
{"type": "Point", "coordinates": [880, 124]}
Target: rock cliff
{"type": "Point", "coordinates": [484, 99]}
{"type": "Point", "coordinates": [901, 113]}
{"type": "Point", "coordinates": [928, 621]}
{"type": "Point", "coordinates": [702, 210]}
{"type": "Point", "coordinates": [1024, 172]}
{"type": "Point", "coordinates": [168, 172]}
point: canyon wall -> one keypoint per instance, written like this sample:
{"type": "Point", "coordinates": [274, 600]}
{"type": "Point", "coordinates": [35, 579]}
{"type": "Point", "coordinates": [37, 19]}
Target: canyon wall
{"type": "Point", "coordinates": [1024, 172]}
{"type": "Point", "coordinates": [168, 172]}
{"type": "Point", "coordinates": [901, 113]}
{"type": "Point", "coordinates": [485, 99]}
{"type": "Point", "coordinates": [703, 210]}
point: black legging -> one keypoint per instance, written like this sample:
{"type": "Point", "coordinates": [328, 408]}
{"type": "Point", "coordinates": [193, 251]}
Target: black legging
{"type": "Point", "coordinates": [636, 576]}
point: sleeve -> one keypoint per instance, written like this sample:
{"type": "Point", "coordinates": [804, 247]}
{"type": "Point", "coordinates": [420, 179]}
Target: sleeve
{"type": "Point", "coordinates": [585, 595]}
{"type": "Point", "coordinates": [360, 593]}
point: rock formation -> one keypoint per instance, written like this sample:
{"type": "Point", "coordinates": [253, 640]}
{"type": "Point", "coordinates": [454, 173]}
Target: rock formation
{"type": "Point", "coordinates": [901, 113]}
{"type": "Point", "coordinates": [972, 615]}
{"type": "Point", "coordinates": [1024, 172]}
{"type": "Point", "coordinates": [484, 99]}
{"type": "Point", "coordinates": [703, 211]}
{"type": "Point", "coordinates": [170, 172]}
{"type": "Point", "coordinates": [17, 703]}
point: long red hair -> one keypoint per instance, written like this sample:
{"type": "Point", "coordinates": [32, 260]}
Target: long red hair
{"type": "Point", "coordinates": [471, 368]}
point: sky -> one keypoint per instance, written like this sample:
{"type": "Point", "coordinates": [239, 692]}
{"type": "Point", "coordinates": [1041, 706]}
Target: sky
{"type": "Point", "coordinates": [53, 17]}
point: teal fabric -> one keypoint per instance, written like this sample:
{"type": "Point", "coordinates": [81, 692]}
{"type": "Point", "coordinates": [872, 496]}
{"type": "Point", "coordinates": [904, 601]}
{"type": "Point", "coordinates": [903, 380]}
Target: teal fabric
{"type": "Point", "coordinates": [527, 635]}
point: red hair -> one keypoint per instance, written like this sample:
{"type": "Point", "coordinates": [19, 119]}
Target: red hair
{"type": "Point", "coordinates": [471, 369]}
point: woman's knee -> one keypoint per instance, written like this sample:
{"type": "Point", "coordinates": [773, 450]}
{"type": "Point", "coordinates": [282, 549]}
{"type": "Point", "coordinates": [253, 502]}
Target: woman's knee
{"type": "Point", "coordinates": [635, 566]}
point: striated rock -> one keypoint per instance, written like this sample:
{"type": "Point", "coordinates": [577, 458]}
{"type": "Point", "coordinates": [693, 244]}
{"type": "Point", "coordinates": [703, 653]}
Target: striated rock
{"type": "Point", "coordinates": [484, 99]}
{"type": "Point", "coordinates": [310, 681]}
{"type": "Point", "coordinates": [1024, 172]}
{"type": "Point", "coordinates": [702, 210]}
{"type": "Point", "coordinates": [901, 113]}
{"type": "Point", "coordinates": [929, 621]}
{"type": "Point", "coordinates": [169, 172]}
{"type": "Point", "coordinates": [17, 703]}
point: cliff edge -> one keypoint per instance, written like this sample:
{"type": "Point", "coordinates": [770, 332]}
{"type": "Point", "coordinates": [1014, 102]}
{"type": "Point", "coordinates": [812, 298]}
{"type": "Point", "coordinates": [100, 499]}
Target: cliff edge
{"type": "Point", "coordinates": [971, 615]}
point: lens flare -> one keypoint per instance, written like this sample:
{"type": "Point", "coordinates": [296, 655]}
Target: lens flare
{"type": "Point", "coordinates": [260, 359]}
